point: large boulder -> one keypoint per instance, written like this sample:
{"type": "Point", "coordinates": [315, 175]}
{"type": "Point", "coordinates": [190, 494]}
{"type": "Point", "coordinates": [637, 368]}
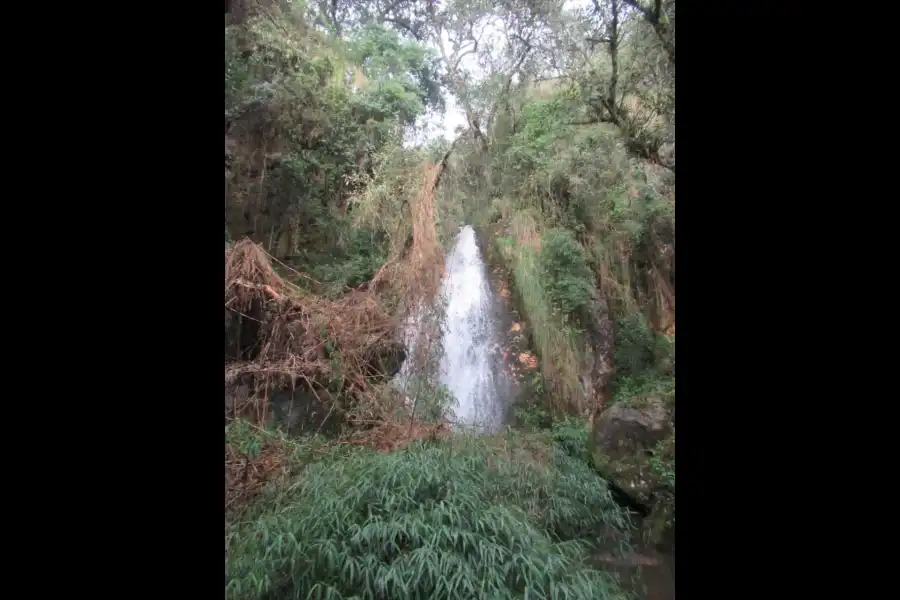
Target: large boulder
{"type": "Point", "coordinates": [633, 447]}
{"type": "Point", "coordinates": [625, 438]}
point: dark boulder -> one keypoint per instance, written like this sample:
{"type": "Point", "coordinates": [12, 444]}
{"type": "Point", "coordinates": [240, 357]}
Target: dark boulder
{"type": "Point", "coordinates": [629, 441]}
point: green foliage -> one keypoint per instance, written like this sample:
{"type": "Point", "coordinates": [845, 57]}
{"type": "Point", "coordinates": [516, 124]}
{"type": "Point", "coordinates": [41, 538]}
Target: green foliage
{"type": "Point", "coordinates": [265, 61]}
{"type": "Point", "coordinates": [642, 357]}
{"type": "Point", "coordinates": [438, 520]}
{"type": "Point", "coordinates": [581, 179]}
{"type": "Point", "coordinates": [572, 436]}
{"type": "Point", "coordinates": [530, 411]}
{"type": "Point", "coordinates": [249, 440]}
{"type": "Point", "coordinates": [596, 215]}
{"type": "Point", "coordinates": [662, 464]}
{"type": "Point", "coordinates": [402, 74]}
{"type": "Point", "coordinates": [366, 252]}
{"type": "Point", "coordinates": [532, 417]}
{"type": "Point", "coordinates": [347, 259]}
{"type": "Point", "coordinates": [563, 181]}
{"type": "Point", "coordinates": [309, 113]}
{"type": "Point", "coordinates": [431, 399]}
{"type": "Point", "coordinates": [663, 461]}
{"type": "Point", "coordinates": [535, 143]}
{"type": "Point", "coordinates": [556, 342]}
{"type": "Point", "coordinates": [567, 276]}
{"type": "Point", "coordinates": [635, 345]}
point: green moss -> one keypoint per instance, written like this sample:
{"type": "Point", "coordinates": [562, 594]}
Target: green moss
{"type": "Point", "coordinates": [633, 474]}
{"type": "Point", "coordinates": [645, 472]}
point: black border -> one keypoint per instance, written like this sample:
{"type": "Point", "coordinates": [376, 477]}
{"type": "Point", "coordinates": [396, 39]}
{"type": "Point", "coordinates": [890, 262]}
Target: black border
{"type": "Point", "coordinates": [741, 149]}
{"type": "Point", "coordinates": [162, 245]}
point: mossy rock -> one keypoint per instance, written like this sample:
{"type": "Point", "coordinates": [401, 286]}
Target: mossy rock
{"type": "Point", "coordinates": [659, 527]}
{"type": "Point", "coordinates": [625, 438]}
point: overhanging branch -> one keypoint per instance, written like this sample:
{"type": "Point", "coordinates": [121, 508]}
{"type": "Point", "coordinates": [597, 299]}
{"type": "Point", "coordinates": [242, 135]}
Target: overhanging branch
{"type": "Point", "coordinates": [660, 23]}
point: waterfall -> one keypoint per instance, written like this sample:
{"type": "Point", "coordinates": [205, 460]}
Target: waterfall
{"type": "Point", "coordinates": [471, 360]}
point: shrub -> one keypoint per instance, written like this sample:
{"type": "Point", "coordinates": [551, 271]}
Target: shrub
{"type": "Point", "coordinates": [572, 436]}
{"type": "Point", "coordinates": [644, 360]}
{"type": "Point", "coordinates": [635, 343]}
{"type": "Point", "coordinates": [567, 276]}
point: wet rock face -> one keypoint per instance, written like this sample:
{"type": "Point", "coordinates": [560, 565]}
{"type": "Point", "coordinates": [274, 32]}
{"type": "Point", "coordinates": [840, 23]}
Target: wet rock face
{"type": "Point", "coordinates": [625, 438]}
{"type": "Point", "coordinates": [600, 340]}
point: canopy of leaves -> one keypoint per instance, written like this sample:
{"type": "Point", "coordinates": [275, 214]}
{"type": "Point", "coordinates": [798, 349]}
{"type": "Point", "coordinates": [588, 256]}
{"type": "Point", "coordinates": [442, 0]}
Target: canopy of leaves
{"type": "Point", "coordinates": [305, 114]}
{"type": "Point", "coordinates": [391, 63]}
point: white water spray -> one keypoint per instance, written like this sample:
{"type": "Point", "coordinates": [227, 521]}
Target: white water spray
{"type": "Point", "coordinates": [471, 361]}
{"type": "Point", "coordinates": [470, 366]}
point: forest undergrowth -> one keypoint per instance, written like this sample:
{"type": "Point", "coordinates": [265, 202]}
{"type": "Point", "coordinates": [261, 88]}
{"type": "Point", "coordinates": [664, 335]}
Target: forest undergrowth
{"type": "Point", "coordinates": [461, 517]}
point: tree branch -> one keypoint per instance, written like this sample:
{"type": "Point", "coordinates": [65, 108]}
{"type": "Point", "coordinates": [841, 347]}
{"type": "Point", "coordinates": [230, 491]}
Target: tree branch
{"type": "Point", "coordinates": [657, 19]}
{"type": "Point", "coordinates": [406, 25]}
{"type": "Point", "coordinates": [508, 83]}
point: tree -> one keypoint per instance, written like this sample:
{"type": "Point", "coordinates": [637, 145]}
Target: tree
{"type": "Point", "coordinates": [638, 96]}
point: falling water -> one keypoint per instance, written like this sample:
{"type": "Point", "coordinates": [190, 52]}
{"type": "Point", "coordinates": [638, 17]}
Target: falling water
{"type": "Point", "coordinates": [472, 361]}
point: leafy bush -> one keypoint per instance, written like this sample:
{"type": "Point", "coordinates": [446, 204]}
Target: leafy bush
{"type": "Point", "coordinates": [635, 343]}
{"type": "Point", "coordinates": [431, 399]}
{"type": "Point", "coordinates": [401, 78]}
{"type": "Point", "coordinates": [572, 436]}
{"type": "Point", "coordinates": [438, 520]}
{"type": "Point", "coordinates": [567, 276]}
{"type": "Point", "coordinates": [532, 417]}
{"type": "Point", "coordinates": [640, 351]}
{"type": "Point", "coordinates": [663, 461]}
{"type": "Point", "coordinates": [644, 360]}
{"type": "Point", "coordinates": [345, 262]}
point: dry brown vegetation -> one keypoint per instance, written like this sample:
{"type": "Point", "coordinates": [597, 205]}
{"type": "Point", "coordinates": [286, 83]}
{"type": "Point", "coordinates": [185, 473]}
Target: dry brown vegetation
{"type": "Point", "coordinates": [416, 272]}
{"type": "Point", "coordinates": [246, 475]}
{"type": "Point", "coordinates": [280, 336]}
{"type": "Point", "coordinates": [284, 337]}
{"type": "Point", "coordinates": [295, 329]}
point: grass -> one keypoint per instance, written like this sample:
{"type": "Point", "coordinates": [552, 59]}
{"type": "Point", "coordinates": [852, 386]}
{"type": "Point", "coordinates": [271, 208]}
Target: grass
{"type": "Point", "coordinates": [258, 460]}
{"type": "Point", "coordinates": [557, 345]}
{"type": "Point", "coordinates": [492, 517]}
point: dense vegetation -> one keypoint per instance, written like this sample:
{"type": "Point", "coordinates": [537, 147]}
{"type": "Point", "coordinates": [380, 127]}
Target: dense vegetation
{"type": "Point", "coordinates": [458, 519]}
{"type": "Point", "coordinates": [565, 162]}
